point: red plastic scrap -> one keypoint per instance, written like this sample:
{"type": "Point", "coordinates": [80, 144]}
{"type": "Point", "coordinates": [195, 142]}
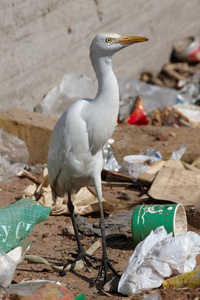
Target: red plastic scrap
{"type": "Point", "coordinates": [132, 112]}
{"type": "Point", "coordinates": [138, 115]}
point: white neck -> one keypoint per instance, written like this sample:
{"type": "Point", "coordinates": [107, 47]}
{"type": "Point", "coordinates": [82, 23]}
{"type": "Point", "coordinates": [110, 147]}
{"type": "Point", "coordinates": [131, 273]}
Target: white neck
{"type": "Point", "coordinates": [105, 107]}
{"type": "Point", "coordinates": [108, 90]}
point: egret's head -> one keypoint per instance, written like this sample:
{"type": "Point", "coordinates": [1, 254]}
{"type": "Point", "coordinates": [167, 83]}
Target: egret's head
{"type": "Point", "coordinates": [109, 43]}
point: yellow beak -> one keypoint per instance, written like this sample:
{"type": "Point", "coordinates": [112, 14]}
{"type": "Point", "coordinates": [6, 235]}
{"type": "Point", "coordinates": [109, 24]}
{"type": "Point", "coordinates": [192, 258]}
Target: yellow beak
{"type": "Point", "coordinates": [128, 40]}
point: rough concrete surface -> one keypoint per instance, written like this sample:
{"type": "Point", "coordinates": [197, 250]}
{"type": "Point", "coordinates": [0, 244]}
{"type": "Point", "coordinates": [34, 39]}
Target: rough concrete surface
{"type": "Point", "coordinates": [42, 40]}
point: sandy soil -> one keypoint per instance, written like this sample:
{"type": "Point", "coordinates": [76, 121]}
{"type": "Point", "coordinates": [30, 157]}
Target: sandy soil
{"type": "Point", "coordinates": [49, 241]}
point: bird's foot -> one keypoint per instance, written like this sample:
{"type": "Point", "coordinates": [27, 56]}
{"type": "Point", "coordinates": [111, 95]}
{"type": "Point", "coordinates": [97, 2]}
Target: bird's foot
{"type": "Point", "coordinates": [82, 255]}
{"type": "Point", "coordinates": [105, 265]}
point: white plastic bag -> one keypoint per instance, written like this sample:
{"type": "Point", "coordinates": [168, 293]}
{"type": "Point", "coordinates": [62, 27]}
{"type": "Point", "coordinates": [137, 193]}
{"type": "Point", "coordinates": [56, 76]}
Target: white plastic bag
{"type": "Point", "coordinates": [10, 260]}
{"type": "Point", "coordinates": [157, 257]}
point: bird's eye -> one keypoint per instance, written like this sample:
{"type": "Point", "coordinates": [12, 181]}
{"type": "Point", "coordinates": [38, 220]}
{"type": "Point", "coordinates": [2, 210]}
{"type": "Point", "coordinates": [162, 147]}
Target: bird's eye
{"type": "Point", "coordinates": [108, 40]}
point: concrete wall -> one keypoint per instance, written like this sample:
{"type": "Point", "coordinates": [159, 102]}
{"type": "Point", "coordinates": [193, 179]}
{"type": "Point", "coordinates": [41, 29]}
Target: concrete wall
{"type": "Point", "coordinates": [42, 40]}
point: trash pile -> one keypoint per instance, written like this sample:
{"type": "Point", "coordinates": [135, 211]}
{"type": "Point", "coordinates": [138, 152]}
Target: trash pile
{"type": "Point", "coordinates": [159, 256]}
{"type": "Point", "coordinates": [182, 75]}
{"type": "Point", "coordinates": [16, 222]}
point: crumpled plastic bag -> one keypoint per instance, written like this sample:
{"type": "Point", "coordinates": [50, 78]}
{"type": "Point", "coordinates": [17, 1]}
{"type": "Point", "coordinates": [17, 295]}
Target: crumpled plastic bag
{"type": "Point", "coordinates": [160, 255]}
{"type": "Point", "coordinates": [73, 86]}
{"type": "Point", "coordinates": [13, 155]}
{"type": "Point", "coordinates": [17, 220]}
{"type": "Point", "coordinates": [10, 260]}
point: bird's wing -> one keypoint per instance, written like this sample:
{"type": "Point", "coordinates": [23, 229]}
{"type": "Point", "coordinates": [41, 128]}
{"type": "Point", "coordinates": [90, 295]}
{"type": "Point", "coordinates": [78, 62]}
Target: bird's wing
{"type": "Point", "coordinates": [55, 155]}
{"type": "Point", "coordinates": [98, 127]}
{"type": "Point", "coordinates": [68, 140]}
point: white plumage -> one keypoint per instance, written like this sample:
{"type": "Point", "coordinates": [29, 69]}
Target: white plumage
{"type": "Point", "coordinates": [75, 152]}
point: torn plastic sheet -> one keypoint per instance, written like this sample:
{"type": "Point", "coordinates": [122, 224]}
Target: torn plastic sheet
{"type": "Point", "coordinates": [176, 155]}
{"type": "Point", "coordinates": [72, 87]}
{"type": "Point", "coordinates": [110, 162]}
{"type": "Point", "coordinates": [13, 155]}
{"type": "Point", "coordinates": [153, 96]}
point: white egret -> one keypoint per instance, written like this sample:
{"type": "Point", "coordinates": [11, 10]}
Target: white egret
{"type": "Point", "coordinates": [75, 152]}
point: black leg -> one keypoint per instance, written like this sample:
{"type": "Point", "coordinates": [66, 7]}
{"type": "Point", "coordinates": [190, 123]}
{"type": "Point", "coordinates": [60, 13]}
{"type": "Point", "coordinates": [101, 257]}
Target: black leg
{"type": "Point", "coordinates": [71, 211]}
{"type": "Point", "coordinates": [81, 252]}
{"type": "Point", "coordinates": [105, 263]}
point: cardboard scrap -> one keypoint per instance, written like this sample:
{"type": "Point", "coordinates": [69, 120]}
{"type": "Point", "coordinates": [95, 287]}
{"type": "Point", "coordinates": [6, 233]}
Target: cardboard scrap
{"type": "Point", "coordinates": [196, 163]}
{"type": "Point", "coordinates": [173, 181]}
{"type": "Point", "coordinates": [176, 185]}
{"type": "Point", "coordinates": [84, 201]}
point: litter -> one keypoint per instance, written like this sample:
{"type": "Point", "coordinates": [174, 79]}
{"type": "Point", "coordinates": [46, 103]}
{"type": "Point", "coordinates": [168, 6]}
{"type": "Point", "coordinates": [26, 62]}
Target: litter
{"type": "Point", "coordinates": [169, 116]}
{"type": "Point", "coordinates": [159, 256]}
{"type": "Point", "coordinates": [110, 162]}
{"type": "Point", "coordinates": [170, 184]}
{"type": "Point", "coordinates": [153, 96]}
{"type": "Point", "coordinates": [149, 217]}
{"type": "Point", "coordinates": [172, 75]}
{"type": "Point", "coordinates": [7, 269]}
{"type": "Point", "coordinates": [188, 49]}
{"type": "Point", "coordinates": [177, 155]}
{"type": "Point", "coordinates": [196, 163]}
{"type": "Point", "coordinates": [40, 289]}
{"type": "Point", "coordinates": [9, 262]}
{"type": "Point", "coordinates": [85, 201]}
{"type": "Point", "coordinates": [17, 220]}
{"type": "Point", "coordinates": [189, 113]}
{"type": "Point", "coordinates": [190, 93]}
{"type": "Point", "coordinates": [79, 264]}
{"type": "Point", "coordinates": [134, 165]}
{"type": "Point", "coordinates": [190, 280]}
{"type": "Point", "coordinates": [51, 291]}
{"type": "Point", "coordinates": [60, 97]}
{"type": "Point", "coordinates": [117, 224]}
{"type": "Point", "coordinates": [13, 155]}
{"type": "Point", "coordinates": [170, 180]}
{"type": "Point", "coordinates": [27, 287]}
{"type": "Point", "coordinates": [131, 111]}
{"type": "Point", "coordinates": [152, 296]}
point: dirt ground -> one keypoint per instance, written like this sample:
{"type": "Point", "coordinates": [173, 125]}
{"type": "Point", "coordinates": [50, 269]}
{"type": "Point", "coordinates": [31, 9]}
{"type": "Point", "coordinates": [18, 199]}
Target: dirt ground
{"type": "Point", "coordinates": [49, 241]}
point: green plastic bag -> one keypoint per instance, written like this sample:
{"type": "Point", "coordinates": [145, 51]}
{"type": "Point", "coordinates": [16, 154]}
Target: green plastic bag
{"type": "Point", "coordinates": [17, 220]}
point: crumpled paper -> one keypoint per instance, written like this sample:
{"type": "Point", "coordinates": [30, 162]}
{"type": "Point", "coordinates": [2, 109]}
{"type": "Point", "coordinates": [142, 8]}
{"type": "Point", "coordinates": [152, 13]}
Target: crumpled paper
{"type": "Point", "coordinates": [160, 255]}
{"type": "Point", "coordinates": [84, 201]}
